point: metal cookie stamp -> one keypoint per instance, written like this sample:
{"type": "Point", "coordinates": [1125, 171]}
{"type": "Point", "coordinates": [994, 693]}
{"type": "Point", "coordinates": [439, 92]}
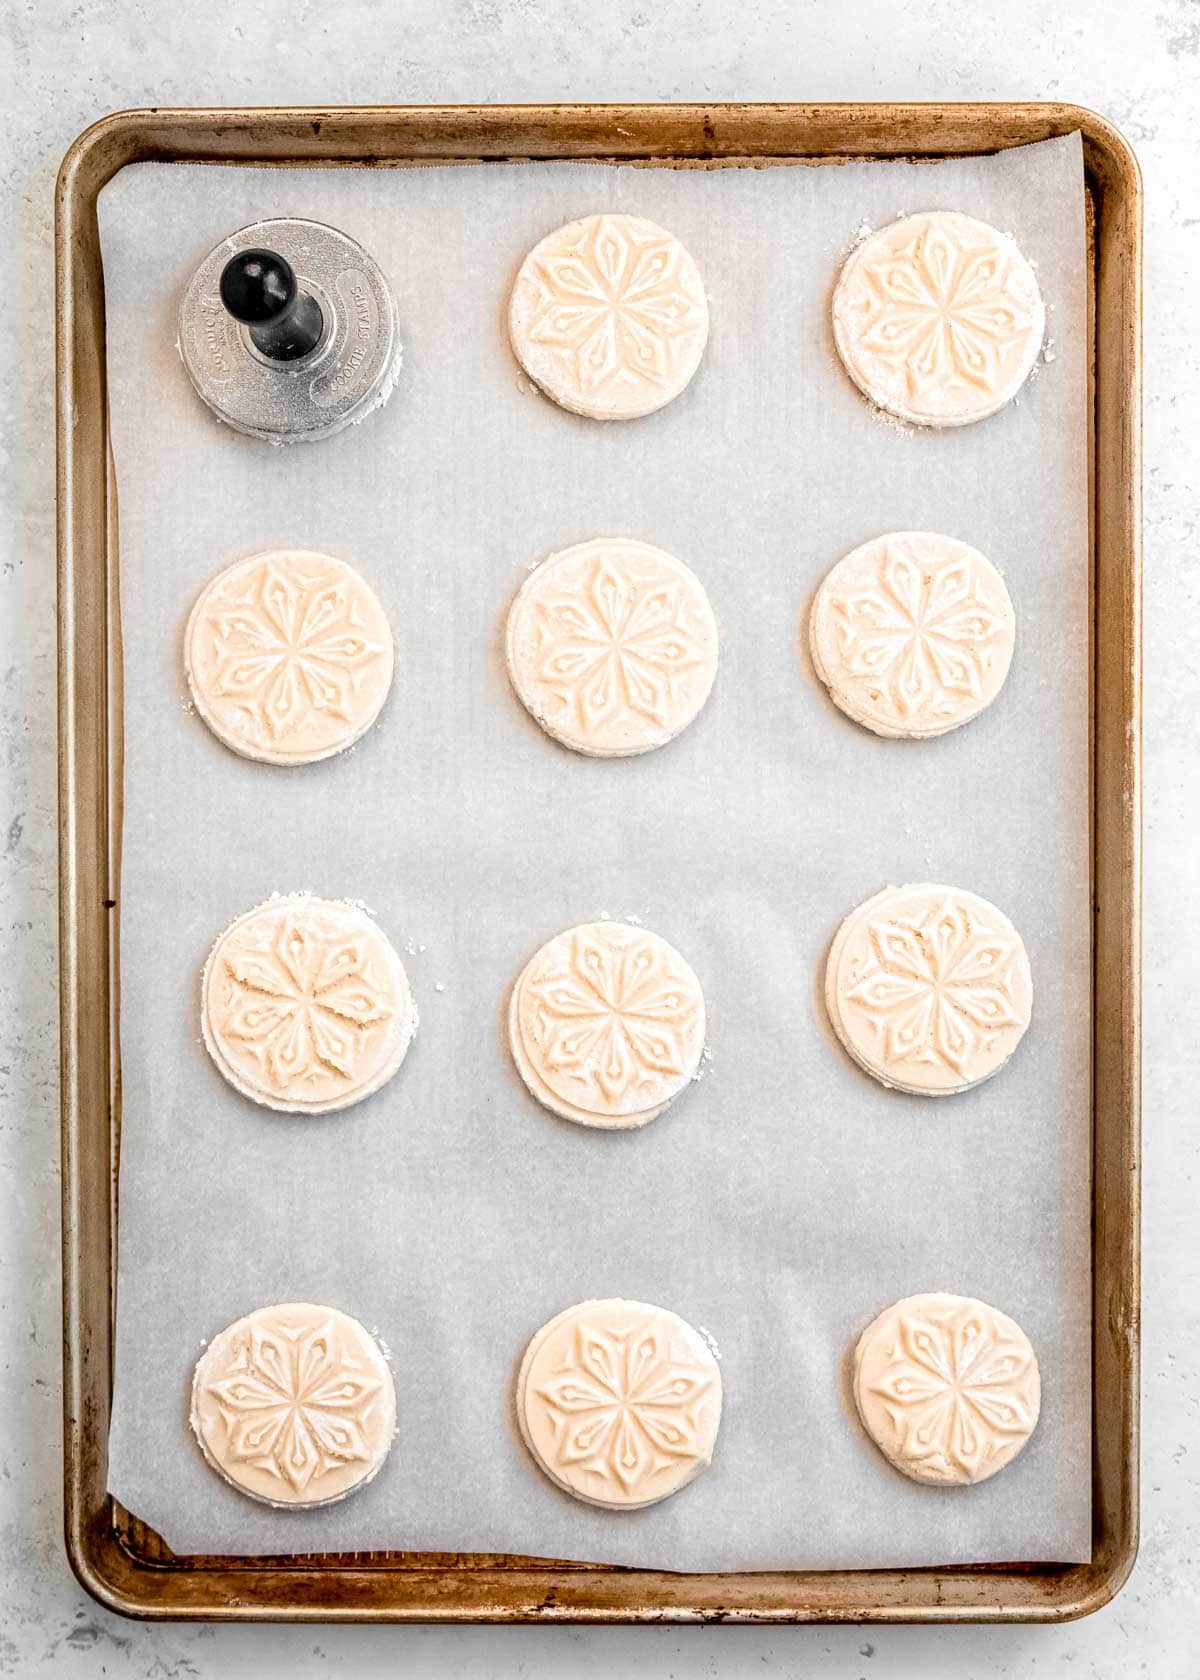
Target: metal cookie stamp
{"type": "Point", "coordinates": [288, 331]}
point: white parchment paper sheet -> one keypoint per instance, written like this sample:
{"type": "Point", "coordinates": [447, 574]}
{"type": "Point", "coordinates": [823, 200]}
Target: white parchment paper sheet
{"type": "Point", "coordinates": [786, 1198]}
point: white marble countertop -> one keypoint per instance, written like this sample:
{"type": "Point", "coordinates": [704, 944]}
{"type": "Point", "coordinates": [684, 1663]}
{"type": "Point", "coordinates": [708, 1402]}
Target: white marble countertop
{"type": "Point", "coordinates": [68, 63]}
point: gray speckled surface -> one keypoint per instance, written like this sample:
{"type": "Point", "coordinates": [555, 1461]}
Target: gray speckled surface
{"type": "Point", "coordinates": [63, 65]}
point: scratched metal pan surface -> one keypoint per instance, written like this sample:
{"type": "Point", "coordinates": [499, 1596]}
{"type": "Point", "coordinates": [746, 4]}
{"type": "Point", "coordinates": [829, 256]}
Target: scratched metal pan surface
{"type": "Point", "coordinates": [121, 1561]}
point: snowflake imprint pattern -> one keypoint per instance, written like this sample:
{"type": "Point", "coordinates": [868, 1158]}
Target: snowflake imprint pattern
{"type": "Point", "coordinates": [612, 1018]}
{"type": "Point", "coordinates": [938, 318]}
{"type": "Point", "coordinates": [931, 987]}
{"type": "Point", "coordinates": [306, 1005]}
{"type": "Point", "coordinates": [913, 633]}
{"type": "Point", "coordinates": [289, 656]}
{"type": "Point", "coordinates": [957, 1384]}
{"type": "Point", "coordinates": [612, 646]}
{"type": "Point", "coordinates": [621, 1402]}
{"type": "Point", "coordinates": [294, 1404]}
{"type": "Point", "coordinates": [609, 316]}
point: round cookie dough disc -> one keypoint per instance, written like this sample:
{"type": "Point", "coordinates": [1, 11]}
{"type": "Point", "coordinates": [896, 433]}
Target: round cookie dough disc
{"type": "Point", "coordinates": [606, 1024]}
{"type": "Point", "coordinates": [946, 1387]}
{"type": "Point", "coordinates": [619, 1402]}
{"type": "Point", "coordinates": [288, 656]}
{"type": "Point", "coordinates": [938, 318]}
{"type": "Point", "coordinates": [608, 317]}
{"type": "Point", "coordinates": [912, 633]}
{"type": "Point", "coordinates": [928, 987]}
{"type": "Point", "coordinates": [612, 646]}
{"type": "Point", "coordinates": [294, 1405]}
{"type": "Point", "coordinates": [305, 1006]}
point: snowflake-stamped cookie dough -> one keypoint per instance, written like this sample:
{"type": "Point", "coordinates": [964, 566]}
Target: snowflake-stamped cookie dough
{"type": "Point", "coordinates": [608, 316]}
{"type": "Point", "coordinates": [938, 318]}
{"type": "Point", "coordinates": [947, 1388]}
{"type": "Point", "coordinates": [288, 656]}
{"type": "Point", "coordinates": [305, 1005]}
{"type": "Point", "coordinates": [606, 1025]}
{"type": "Point", "coordinates": [928, 987]}
{"type": "Point", "coordinates": [294, 1404]}
{"type": "Point", "coordinates": [619, 1402]}
{"type": "Point", "coordinates": [912, 633]}
{"type": "Point", "coordinates": [612, 646]}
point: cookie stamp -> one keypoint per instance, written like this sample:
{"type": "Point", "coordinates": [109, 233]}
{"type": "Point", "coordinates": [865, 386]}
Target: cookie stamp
{"type": "Point", "coordinates": [348, 372]}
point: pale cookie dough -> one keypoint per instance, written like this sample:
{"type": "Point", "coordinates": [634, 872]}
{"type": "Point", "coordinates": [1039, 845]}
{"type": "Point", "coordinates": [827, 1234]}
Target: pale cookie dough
{"type": "Point", "coordinates": [608, 317]}
{"type": "Point", "coordinates": [294, 1405]}
{"type": "Point", "coordinates": [912, 633]}
{"type": "Point", "coordinates": [619, 1402]}
{"type": "Point", "coordinates": [946, 1387]}
{"type": "Point", "coordinates": [938, 318]}
{"type": "Point", "coordinates": [305, 1006]}
{"type": "Point", "coordinates": [288, 656]}
{"type": "Point", "coordinates": [606, 1025]}
{"type": "Point", "coordinates": [612, 646]}
{"type": "Point", "coordinates": [928, 987]}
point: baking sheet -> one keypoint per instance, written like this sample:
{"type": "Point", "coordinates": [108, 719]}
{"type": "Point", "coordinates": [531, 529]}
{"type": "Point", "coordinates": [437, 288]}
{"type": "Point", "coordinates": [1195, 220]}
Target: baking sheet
{"type": "Point", "coordinates": [785, 1198]}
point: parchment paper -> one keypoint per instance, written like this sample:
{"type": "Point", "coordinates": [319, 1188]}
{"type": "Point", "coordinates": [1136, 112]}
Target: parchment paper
{"type": "Point", "coordinates": [786, 1198]}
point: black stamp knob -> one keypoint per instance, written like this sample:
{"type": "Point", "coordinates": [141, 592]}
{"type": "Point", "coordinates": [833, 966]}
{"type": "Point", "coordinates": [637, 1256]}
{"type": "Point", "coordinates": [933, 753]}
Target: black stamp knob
{"type": "Point", "coordinates": [259, 289]}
